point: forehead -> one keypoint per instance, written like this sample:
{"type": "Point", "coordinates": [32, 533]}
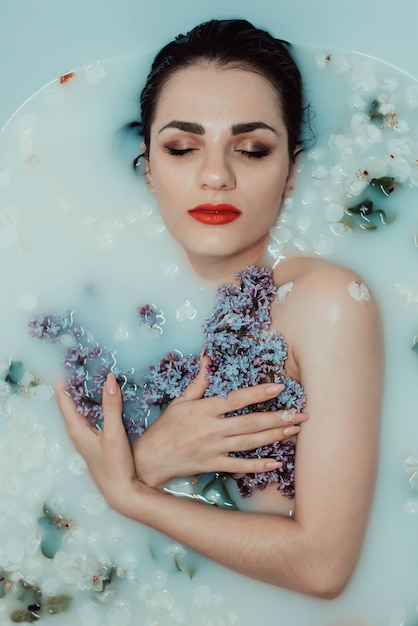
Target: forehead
{"type": "Point", "coordinates": [210, 91]}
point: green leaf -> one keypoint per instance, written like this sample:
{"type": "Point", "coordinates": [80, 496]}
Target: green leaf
{"type": "Point", "coordinates": [374, 110]}
{"type": "Point", "coordinates": [22, 615]}
{"type": "Point", "coordinates": [51, 524]}
{"type": "Point", "coordinates": [366, 215]}
{"type": "Point", "coordinates": [365, 207]}
{"type": "Point", "coordinates": [16, 372]}
{"type": "Point", "coordinates": [58, 604]}
{"type": "Point", "coordinates": [386, 184]}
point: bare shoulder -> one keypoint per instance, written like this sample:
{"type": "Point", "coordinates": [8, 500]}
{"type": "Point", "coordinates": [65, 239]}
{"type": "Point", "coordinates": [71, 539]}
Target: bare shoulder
{"type": "Point", "coordinates": [323, 305]}
{"type": "Point", "coordinates": [318, 299]}
{"type": "Point", "coordinates": [318, 284]}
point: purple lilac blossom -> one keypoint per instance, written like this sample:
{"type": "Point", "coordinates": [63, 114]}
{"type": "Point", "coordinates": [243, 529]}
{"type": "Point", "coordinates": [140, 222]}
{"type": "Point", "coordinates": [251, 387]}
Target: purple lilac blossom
{"type": "Point", "coordinates": [150, 317]}
{"type": "Point", "coordinates": [237, 337]}
{"type": "Point", "coordinates": [243, 352]}
{"type": "Point", "coordinates": [88, 365]}
{"type": "Point", "coordinates": [149, 314]}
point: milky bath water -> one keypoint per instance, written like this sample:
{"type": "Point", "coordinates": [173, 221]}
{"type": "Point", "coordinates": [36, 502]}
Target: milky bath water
{"type": "Point", "coordinates": [79, 231]}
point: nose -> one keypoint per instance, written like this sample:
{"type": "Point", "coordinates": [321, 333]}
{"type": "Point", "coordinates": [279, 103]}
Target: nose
{"type": "Point", "coordinates": [216, 172]}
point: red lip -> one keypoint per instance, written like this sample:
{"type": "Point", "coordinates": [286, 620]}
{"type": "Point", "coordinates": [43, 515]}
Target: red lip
{"type": "Point", "coordinates": [215, 214]}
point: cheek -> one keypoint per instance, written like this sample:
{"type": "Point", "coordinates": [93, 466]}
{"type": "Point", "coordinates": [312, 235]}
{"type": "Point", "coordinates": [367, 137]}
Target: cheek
{"type": "Point", "coordinates": [169, 184]}
{"type": "Point", "coordinates": [270, 197]}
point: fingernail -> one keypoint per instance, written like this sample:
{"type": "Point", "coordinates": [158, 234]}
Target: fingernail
{"type": "Point", "coordinates": [288, 415]}
{"type": "Point", "coordinates": [291, 430]}
{"type": "Point", "coordinates": [203, 353]}
{"type": "Point", "coordinates": [275, 389]}
{"type": "Point", "coordinates": [111, 384]}
{"type": "Point", "coordinates": [273, 464]}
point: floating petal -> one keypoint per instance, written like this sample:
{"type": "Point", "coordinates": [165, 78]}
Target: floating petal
{"type": "Point", "coordinates": [358, 290]}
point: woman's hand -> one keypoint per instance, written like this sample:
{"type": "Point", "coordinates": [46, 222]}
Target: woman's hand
{"type": "Point", "coordinates": [107, 453]}
{"type": "Point", "coordinates": [192, 435]}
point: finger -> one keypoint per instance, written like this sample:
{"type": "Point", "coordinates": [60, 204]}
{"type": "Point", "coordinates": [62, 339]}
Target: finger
{"type": "Point", "coordinates": [197, 387]}
{"type": "Point", "coordinates": [77, 425]}
{"type": "Point", "coordinates": [112, 406]}
{"type": "Point", "coordinates": [236, 465]}
{"type": "Point", "coordinates": [246, 397]}
{"type": "Point", "coordinates": [259, 421]}
{"type": "Point", "coordinates": [241, 443]}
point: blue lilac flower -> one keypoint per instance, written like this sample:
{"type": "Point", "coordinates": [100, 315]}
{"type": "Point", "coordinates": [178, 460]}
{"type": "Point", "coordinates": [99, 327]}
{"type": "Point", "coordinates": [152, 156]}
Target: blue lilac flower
{"type": "Point", "coordinates": [151, 317]}
{"type": "Point", "coordinates": [88, 364]}
{"type": "Point", "coordinates": [169, 379]}
{"type": "Point", "coordinates": [243, 352]}
{"type": "Point", "coordinates": [284, 476]}
{"type": "Point", "coordinates": [50, 326]}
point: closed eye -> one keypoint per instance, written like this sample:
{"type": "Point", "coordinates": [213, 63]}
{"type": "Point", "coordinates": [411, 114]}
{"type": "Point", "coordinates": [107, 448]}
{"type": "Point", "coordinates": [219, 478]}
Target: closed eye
{"type": "Point", "coordinates": [179, 151]}
{"type": "Point", "coordinates": [250, 154]}
{"type": "Point", "coordinates": [255, 154]}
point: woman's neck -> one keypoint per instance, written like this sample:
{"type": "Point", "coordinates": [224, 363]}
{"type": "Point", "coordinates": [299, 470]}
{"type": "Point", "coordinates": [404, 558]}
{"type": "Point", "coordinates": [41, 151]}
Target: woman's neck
{"type": "Point", "coordinates": [223, 269]}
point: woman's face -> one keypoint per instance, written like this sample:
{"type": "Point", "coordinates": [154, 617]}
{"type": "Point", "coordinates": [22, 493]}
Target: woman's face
{"type": "Point", "coordinates": [218, 162]}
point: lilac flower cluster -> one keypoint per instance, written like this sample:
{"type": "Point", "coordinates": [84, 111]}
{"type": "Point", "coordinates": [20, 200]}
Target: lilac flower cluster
{"type": "Point", "coordinates": [243, 353]}
{"type": "Point", "coordinates": [167, 380]}
{"type": "Point", "coordinates": [285, 476]}
{"type": "Point", "coordinates": [88, 364]}
{"type": "Point", "coordinates": [150, 317]}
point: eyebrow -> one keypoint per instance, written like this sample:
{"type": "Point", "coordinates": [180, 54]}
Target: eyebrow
{"type": "Point", "coordinates": [188, 127]}
{"type": "Point", "coordinates": [249, 127]}
{"type": "Point", "coordinates": [236, 129]}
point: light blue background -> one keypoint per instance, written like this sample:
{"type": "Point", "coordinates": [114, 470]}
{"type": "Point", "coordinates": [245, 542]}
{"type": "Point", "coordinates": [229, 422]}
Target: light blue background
{"type": "Point", "coordinates": [42, 39]}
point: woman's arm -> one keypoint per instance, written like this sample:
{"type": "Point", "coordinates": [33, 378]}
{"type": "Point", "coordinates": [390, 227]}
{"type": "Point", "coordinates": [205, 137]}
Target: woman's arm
{"type": "Point", "coordinates": [192, 435]}
{"type": "Point", "coordinates": [339, 354]}
{"type": "Point", "coordinates": [246, 542]}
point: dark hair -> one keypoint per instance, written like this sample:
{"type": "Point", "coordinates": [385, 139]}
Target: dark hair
{"type": "Point", "coordinates": [230, 43]}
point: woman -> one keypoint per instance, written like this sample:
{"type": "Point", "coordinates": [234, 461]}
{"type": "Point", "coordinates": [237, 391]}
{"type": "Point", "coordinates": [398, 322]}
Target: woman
{"type": "Point", "coordinates": [222, 113]}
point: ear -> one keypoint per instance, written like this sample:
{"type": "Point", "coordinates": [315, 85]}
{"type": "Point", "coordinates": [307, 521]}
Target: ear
{"type": "Point", "coordinates": [149, 181]}
{"type": "Point", "coordinates": [293, 166]}
{"type": "Point", "coordinates": [147, 173]}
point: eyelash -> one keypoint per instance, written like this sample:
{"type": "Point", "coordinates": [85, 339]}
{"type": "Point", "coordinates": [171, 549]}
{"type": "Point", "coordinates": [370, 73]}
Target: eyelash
{"type": "Point", "coordinates": [179, 152]}
{"type": "Point", "coordinates": [256, 154]}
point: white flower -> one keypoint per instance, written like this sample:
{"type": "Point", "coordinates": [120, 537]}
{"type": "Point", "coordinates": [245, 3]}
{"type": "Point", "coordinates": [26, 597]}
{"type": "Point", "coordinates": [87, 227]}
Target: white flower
{"type": "Point", "coordinates": [411, 93]}
{"type": "Point", "coordinates": [145, 592]}
{"type": "Point", "coordinates": [5, 363]}
{"type": "Point", "coordinates": [411, 465]}
{"type": "Point", "coordinates": [175, 549]}
{"type": "Point", "coordinates": [4, 177]}
{"type": "Point", "coordinates": [387, 108]}
{"type": "Point", "coordinates": [89, 614]}
{"type": "Point", "coordinates": [14, 551]}
{"type": "Point", "coordinates": [76, 464]}
{"type": "Point", "coordinates": [202, 596]}
{"type": "Point", "coordinates": [333, 211]}
{"type": "Point", "coordinates": [119, 616]}
{"type": "Point", "coordinates": [358, 290]}
{"type": "Point", "coordinates": [115, 535]}
{"type": "Point", "coordinates": [283, 290]}
{"type": "Point", "coordinates": [159, 579]}
{"type": "Point", "coordinates": [5, 389]}
{"type": "Point", "coordinates": [364, 81]}
{"type": "Point", "coordinates": [74, 569]}
{"type": "Point", "coordinates": [81, 571]}
{"type": "Point", "coordinates": [163, 599]}
{"type": "Point", "coordinates": [127, 560]}
{"type": "Point", "coordinates": [93, 503]}
{"type": "Point", "coordinates": [94, 73]}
